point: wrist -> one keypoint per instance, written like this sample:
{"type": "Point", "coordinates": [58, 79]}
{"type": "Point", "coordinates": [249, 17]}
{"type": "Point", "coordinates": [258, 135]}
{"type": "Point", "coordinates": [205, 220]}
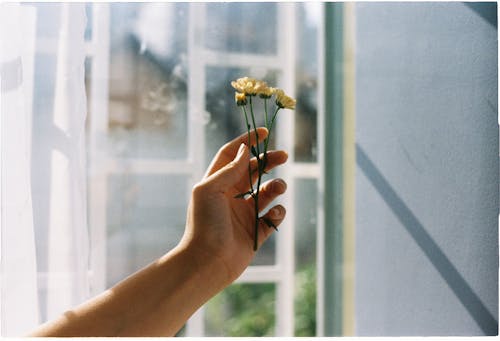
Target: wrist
{"type": "Point", "coordinates": [206, 267]}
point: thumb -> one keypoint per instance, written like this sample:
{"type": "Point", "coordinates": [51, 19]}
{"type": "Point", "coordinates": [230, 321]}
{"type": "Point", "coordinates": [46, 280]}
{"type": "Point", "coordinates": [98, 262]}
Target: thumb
{"type": "Point", "coordinates": [231, 174]}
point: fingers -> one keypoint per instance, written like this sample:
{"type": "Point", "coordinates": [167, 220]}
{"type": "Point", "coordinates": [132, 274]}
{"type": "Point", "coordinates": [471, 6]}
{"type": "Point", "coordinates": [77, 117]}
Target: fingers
{"type": "Point", "coordinates": [232, 173]}
{"type": "Point", "coordinates": [227, 152]}
{"type": "Point", "coordinates": [274, 159]}
{"type": "Point", "coordinates": [272, 219]}
{"type": "Point", "coordinates": [269, 191]}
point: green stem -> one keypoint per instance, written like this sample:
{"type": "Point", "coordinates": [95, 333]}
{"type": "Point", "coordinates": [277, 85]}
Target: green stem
{"type": "Point", "coordinates": [269, 132]}
{"type": "Point", "coordinates": [255, 128]}
{"type": "Point", "coordinates": [256, 197]}
{"type": "Point", "coordinates": [270, 129]}
{"type": "Point", "coordinates": [265, 112]}
{"type": "Point", "coordinates": [249, 146]}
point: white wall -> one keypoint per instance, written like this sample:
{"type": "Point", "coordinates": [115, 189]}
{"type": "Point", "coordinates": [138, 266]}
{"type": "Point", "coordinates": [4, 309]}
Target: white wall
{"type": "Point", "coordinates": [427, 169]}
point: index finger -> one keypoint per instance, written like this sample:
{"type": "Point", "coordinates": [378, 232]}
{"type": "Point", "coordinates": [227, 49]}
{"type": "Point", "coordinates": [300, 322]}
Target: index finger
{"type": "Point", "coordinates": [227, 152]}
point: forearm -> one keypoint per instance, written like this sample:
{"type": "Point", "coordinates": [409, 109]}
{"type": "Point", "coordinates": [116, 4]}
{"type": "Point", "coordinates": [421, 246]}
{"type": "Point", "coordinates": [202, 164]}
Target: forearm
{"type": "Point", "coordinates": [155, 301]}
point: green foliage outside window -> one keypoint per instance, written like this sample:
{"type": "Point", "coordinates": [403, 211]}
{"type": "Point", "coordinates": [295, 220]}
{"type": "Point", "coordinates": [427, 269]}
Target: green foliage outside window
{"type": "Point", "coordinates": [242, 310]}
{"type": "Point", "coordinates": [249, 309]}
{"type": "Point", "coordinates": [305, 301]}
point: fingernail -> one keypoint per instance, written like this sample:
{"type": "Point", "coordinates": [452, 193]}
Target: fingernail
{"type": "Point", "coordinates": [286, 154]}
{"type": "Point", "coordinates": [276, 213]}
{"type": "Point", "coordinates": [282, 184]}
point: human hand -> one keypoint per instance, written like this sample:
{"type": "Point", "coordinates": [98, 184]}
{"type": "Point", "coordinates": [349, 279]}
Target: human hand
{"type": "Point", "coordinates": [220, 227]}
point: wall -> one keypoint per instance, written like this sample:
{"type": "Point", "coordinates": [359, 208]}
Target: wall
{"type": "Point", "coordinates": [427, 169]}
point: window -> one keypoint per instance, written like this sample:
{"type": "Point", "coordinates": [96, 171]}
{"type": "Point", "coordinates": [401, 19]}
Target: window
{"type": "Point", "coordinates": [160, 105]}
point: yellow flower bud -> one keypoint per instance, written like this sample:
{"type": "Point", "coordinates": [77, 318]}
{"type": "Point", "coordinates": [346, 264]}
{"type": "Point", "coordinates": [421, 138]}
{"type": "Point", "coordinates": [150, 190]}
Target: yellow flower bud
{"type": "Point", "coordinates": [240, 98]}
{"type": "Point", "coordinates": [265, 91]}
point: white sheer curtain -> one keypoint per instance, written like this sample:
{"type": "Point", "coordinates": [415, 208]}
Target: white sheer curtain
{"type": "Point", "coordinates": [44, 238]}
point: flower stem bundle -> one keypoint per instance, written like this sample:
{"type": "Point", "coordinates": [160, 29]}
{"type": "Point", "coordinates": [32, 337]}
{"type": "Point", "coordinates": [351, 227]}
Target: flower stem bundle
{"type": "Point", "coordinates": [247, 89]}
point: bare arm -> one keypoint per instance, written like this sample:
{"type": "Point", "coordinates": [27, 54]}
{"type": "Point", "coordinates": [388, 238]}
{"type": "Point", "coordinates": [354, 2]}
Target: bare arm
{"type": "Point", "coordinates": [154, 301]}
{"type": "Point", "coordinates": [215, 249]}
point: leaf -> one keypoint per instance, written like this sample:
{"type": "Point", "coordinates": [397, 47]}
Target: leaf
{"type": "Point", "coordinates": [254, 152]}
{"type": "Point", "coordinates": [269, 223]}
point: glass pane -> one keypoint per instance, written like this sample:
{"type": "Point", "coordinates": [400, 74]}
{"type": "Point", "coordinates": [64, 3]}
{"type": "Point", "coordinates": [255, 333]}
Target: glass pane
{"type": "Point", "coordinates": [147, 83]}
{"type": "Point", "coordinates": [242, 310]}
{"type": "Point", "coordinates": [88, 92]}
{"type": "Point", "coordinates": [306, 144]}
{"type": "Point", "coordinates": [89, 15]}
{"type": "Point", "coordinates": [242, 27]}
{"type": "Point", "coordinates": [266, 255]}
{"type": "Point", "coordinates": [305, 257]}
{"type": "Point", "coordinates": [145, 219]}
{"type": "Point", "coordinates": [47, 28]}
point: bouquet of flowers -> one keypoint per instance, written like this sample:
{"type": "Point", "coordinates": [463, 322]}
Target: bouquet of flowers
{"type": "Point", "coordinates": [246, 90]}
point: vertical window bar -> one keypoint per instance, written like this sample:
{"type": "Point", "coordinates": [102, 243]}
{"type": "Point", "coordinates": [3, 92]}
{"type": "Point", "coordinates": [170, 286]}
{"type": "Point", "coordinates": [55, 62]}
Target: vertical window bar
{"type": "Point", "coordinates": [320, 236]}
{"type": "Point", "coordinates": [98, 129]}
{"type": "Point", "coordinates": [196, 129]}
{"type": "Point", "coordinates": [285, 139]}
{"type": "Point", "coordinates": [349, 166]}
{"type": "Point", "coordinates": [339, 158]}
{"type": "Point", "coordinates": [333, 167]}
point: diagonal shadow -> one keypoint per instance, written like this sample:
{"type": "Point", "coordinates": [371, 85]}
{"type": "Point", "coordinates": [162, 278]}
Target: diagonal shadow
{"type": "Point", "coordinates": [486, 10]}
{"type": "Point", "coordinates": [450, 274]}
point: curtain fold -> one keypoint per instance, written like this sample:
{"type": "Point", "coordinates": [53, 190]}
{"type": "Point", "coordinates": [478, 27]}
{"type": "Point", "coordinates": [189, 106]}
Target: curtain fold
{"type": "Point", "coordinates": [67, 237]}
{"type": "Point", "coordinates": [44, 236]}
{"type": "Point", "coordinates": [18, 262]}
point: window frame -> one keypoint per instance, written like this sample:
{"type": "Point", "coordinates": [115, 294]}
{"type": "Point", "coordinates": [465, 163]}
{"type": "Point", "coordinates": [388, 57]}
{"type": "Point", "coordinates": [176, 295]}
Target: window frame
{"type": "Point", "coordinates": [337, 254]}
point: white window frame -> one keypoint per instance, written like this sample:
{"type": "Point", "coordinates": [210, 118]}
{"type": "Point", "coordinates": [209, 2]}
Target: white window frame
{"type": "Point", "coordinates": [282, 273]}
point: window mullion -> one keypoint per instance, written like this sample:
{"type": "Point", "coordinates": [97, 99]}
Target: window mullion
{"type": "Point", "coordinates": [196, 129]}
{"type": "Point", "coordinates": [285, 139]}
{"type": "Point", "coordinates": [261, 274]}
{"type": "Point", "coordinates": [98, 126]}
{"type": "Point", "coordinates": [320, 235]}
{"type": "Point", "coordinates": [241, 60]}
{"type": "Point", "coordinates": [148, 166]}
{"type": "Point", "coordinates": [339, 164]}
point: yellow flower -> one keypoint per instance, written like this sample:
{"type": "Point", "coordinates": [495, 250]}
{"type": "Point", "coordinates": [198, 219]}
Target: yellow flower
{"type": "Point", "coordinates": [251, 87]}
{"type": "Point", "coordinates": [240, 98]}
{"type": "Point", "coordinates": [283, 100]}
{"type": "Point", "coordinates": [245, 85]}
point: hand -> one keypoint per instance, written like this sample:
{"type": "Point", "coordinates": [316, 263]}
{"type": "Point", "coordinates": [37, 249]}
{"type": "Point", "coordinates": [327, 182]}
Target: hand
{"type": "Point", "coordinates": [220, 227]}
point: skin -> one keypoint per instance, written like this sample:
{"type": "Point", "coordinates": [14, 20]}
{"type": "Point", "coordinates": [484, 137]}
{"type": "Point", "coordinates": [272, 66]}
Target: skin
{"type": "Point", "coordinates": [217, 246]}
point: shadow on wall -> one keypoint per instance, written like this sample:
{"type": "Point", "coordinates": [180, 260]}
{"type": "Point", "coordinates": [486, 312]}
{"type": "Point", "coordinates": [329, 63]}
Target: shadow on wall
{"type": "Point", "coordinates": [450, 274]}
{"type": "Point", "coordinates": [488, 11]}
